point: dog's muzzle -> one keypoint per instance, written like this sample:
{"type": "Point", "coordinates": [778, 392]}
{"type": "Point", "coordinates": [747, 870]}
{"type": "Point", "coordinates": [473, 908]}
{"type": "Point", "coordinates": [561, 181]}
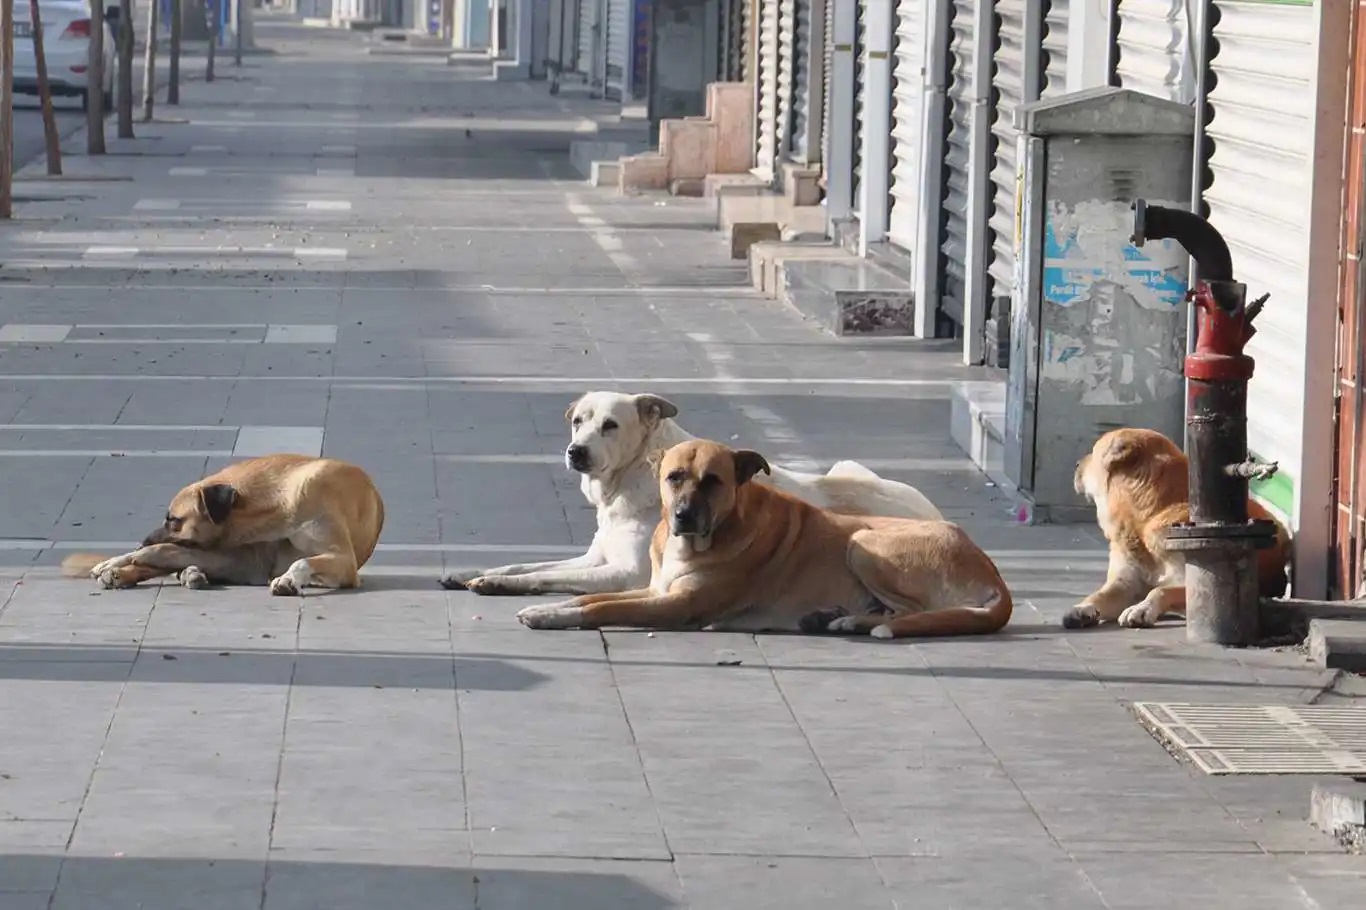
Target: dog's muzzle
{"type": "Point", "coordinates": [576, 457]}
{"type": "Point", "coordinates": [161, 535]}
{"type": "Point", "coordinates": [689, 521]}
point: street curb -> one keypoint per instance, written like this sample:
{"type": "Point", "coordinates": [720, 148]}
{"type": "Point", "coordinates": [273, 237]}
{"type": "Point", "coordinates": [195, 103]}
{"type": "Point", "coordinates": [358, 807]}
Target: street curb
{"type": "Point", "coordinates": [1338, 807]}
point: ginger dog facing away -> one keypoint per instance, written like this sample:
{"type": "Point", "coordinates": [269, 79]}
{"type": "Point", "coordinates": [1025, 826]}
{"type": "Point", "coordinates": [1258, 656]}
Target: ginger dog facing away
{"type": "Point", "coordinates": [288, 521]}
{"type": "Point", "coordinates": [732, 555]}
{"type": "Point", "coordinates": [1139, 483]}
{"type": "Point", "coordinates": [616, 441]}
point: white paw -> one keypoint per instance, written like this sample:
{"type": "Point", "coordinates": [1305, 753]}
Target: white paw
{"type": "Point", "coordinates": [284, 586]}
{"type": "Point", "coordinates": [551, 616]}
{"type": "Point", "coordinates": [1139, 616]}
{"type": "Point", "coordinates": [110, 579]}
{"type": "Point", "coordinates": [194, 578]}
{"type": "Point", "coordinates": [845, 624]}
{"type": "Point", "coordinates": [883, 631]}
{"type": "Point", "coordinates": [109, 565]}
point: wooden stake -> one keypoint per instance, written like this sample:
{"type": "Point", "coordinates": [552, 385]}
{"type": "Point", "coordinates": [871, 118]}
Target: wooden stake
{"type": "Point", "coordinates": [51, 139]}
{"type": "Point", "coordinates": [94, 82]}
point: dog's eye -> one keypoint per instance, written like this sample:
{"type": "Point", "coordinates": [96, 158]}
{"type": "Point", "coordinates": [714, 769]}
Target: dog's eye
{"type": "Point", "coordinates": [576, 421]}
{"type": "Point", "coordinates": [709, 480]}
{"type": "Point", "coordinates": [608, 426]}
{"type": "Point", "coordinates": [676, 477]}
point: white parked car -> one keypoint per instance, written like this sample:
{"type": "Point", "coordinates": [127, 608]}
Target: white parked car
{"type": "Point", "coordinates": [66, 45]}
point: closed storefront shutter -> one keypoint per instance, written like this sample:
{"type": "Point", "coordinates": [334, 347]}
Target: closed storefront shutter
{"type": "Point", "coordinates": [588, 18]}
{"type": "Point", "coordinates": [767, 127]}
{"type": "Point", "coordinates": [618, 47]}
{"type": "Point", "coordinates": [801, 76]}
{"type": "Point", "coordinates": [1154, 48]}
{"type": "Point", "coordinates": [908, 86]}
{"type": "Point", "coordinates": [1009, 90]}
{"type": "Point", "coordinates": [860, 99]}
{"type": "Point", "coordinates": [1055, 48]}
{"type": "Point", "coordinates": [1261, 134]}
{"type": "Point", "coordinates": [787, 17]}
{"type": "Point", "coordinates": [953, 286]}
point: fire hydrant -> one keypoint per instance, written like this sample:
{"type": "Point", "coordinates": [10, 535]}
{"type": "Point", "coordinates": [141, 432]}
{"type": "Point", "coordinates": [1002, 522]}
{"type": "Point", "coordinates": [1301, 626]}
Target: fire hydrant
{"type": "Point", "coordinates": [1219, 541]}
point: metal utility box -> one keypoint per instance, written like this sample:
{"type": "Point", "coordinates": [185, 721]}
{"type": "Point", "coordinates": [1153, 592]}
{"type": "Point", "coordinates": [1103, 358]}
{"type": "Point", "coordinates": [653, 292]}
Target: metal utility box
{"type": "Point", "coordinates": [1098, 326]}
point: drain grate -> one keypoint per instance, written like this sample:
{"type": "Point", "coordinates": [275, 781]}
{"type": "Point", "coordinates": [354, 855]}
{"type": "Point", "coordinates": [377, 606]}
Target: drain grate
{"type": "Point", "coordinates": [1263, 739]}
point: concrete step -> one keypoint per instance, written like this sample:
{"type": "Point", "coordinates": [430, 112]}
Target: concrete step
{"type": "Point", "coordinates": [1339, 644]}
{"type": "Point", "coordinates": [977, 425]}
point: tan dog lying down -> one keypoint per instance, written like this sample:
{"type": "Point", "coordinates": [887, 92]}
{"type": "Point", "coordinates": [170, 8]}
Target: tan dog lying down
{"type": "Point", "coordinates": [732, 555]}
{"type": "Point", "coordinates": [1139, 482]}
{"type": "Point", "coordinates": [289, 521]}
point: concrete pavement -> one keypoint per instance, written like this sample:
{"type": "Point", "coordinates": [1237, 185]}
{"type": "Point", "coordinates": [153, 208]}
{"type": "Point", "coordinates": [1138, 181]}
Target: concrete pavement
{"type": "Point", "coordinates": [389, 260]}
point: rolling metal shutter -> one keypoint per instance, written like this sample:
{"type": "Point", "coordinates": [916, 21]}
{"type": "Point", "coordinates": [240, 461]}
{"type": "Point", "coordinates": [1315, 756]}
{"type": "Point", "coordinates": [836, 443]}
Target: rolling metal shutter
{"type": "Point", "coordinates": [908, 87]}
{"type": "Point", "coordinates": [860, 89]}
{"type": "Point", "coordinates": [734, 59]}
{"type": "Point", "coordinates": [801, 76]}
{"type": "Point", "coordinates": [1261, 132]}
{"type": "Point", "coordinates": [1154, 47]}
{"type": "Point", "coordinates": [767, 128]}
{"type": "Point", "coordinates": [827, 86]}
{"type": "Point", "coordinates": [618, 48]}
{"type": "Point", "coordinates": [746, 38]}
{"type": "Point", "coordinates": [953, 289]}
{"type": "Point", "coordinates": [588, 23]}
{"type": "Point", "coordinates": [1055, 48]}
{"type": "Point", "coordinates": [1008, 85]}
{"type": "Point", "coordinates": [787, 19]}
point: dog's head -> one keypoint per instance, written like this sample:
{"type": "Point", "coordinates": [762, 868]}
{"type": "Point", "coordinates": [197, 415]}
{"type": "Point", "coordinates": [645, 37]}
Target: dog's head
{"type": "Point", "coordinates": [699, 484]}
{"type": "Point", "coordinates": [1141, 459]}
{"type": "Point", "coordinates": [195, 516]}
{"type": "Point", "coordinates": [607, 429]}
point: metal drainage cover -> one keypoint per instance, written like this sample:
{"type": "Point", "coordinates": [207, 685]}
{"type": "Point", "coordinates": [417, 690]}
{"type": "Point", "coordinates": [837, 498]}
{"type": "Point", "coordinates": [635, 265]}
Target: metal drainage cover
{"type": "Point", "coordinates": [1263, 739]}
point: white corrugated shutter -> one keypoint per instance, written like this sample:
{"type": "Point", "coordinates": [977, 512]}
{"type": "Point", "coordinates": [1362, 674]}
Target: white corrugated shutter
{"type": "Point", "coordinates": [1262, 133]}
{"type": "Point", "coordinates": [767, 128]}
{"type": "Point", "coordinates": [908, 87]}
{"type": "Point", "coordinates": [1154, 49]}
{"type": "Point", "coordinates": [588, 20]}
{"type": "Point", "coordinates": [618, 48]}
{"type": "Point", "coordinates": [827, 86]}
{"type": "Point", "coordinates": [1008, 81]}
{"type": "Point", "coordinates": [1055, 48]}
{"type": "Point", "coordinates": [801, 77]}
{"type": "Point", "coordinates": [746, 45]}
{"type": "Point", "coordinates": [860, 90]}
{"type": "Point", "coordinates": [953, 287]}
{"type": "Point", "coordinates": [787, 19]}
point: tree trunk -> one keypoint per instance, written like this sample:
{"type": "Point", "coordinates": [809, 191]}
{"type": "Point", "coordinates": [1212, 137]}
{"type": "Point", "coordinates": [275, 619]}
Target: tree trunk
{"type": "Point", "coordinates": [7, 109]}
{"type": "Point", "coordinates": [149, 62]}
{"type": "Point", "coordinates": [125, 71]}
{"type": "Point", "coordinates": [173, 82]}
{"type": "Point", "coordinates": [51, 140]}
{"type": "Point", "coordinates": [94, 82]}
{"type": "Point", "coordinates": [213, 38]}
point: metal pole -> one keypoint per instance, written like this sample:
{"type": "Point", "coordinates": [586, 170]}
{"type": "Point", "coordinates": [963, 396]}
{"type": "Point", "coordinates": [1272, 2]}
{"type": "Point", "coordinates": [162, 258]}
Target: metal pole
{"type": "Point", "coordinates": [213, 37]}
{"type": "Point", "coordinates": [173, 78]}
{"type": "Point", "coordinates": [237, 32]}
{"type": "Point", "coordinates": [7, 109]}
{"type": "Point", "coordinates": [149, 62]}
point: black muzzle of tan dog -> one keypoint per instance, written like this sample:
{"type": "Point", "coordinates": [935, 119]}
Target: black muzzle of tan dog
{"type": "Point", "coordinates": [690, 518]}
{"type": "Point", "coordinates": [161, 535]}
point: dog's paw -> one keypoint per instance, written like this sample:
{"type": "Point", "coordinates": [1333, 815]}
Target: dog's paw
{"type": "Point", "coordinates": [1140, 616]}
{"type": "Point", "coordinates": [493, 585]}
{"type": "Point", "coordinates": [459, 580]}
{"type": "Point", "coordinates": [107, 567]}
{"type": "Point", "coordinates": [847, 625]}
{"type": "Point", "coordinates": [284, 586]}
{"type": "Point", "coordinates": [551, 616]}
{"type": "Point", "coordinates": [818, 621]}
{"type": "Point", "coordinates": [1082, 616]}
{"type": "Point", "coordinates": [115, 578]}
{"type": "Point", "coordinates": [194, 578]}
{"type": "Point", "coordinates": [883, 631]}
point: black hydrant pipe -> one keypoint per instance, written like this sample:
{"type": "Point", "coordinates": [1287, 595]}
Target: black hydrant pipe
{"type": "Point", "coordinates": [1198, 236]}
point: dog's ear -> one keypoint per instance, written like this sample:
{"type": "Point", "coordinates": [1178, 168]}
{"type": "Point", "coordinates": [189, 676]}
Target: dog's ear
{"type": "Point", "coordinates": [747, 464]}
{"type": "Point", "coordinates": [569, 411]}
{"type": "Point", "coordinates": [653, 408]}
{"type": "Point", "coordinates": [1120, 452]}
{"type": "Point", "coordinates": [218, 500]}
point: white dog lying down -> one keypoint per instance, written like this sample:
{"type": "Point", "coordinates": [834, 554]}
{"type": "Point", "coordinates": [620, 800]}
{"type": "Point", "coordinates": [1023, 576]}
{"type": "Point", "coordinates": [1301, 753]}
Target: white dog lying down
{"type": "Point", "coordinates": [616, 443]}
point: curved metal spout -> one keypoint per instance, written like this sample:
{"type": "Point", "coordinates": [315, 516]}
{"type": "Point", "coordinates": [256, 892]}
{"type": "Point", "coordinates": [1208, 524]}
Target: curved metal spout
{"type": "Point", "coordinates": [1205, 245]}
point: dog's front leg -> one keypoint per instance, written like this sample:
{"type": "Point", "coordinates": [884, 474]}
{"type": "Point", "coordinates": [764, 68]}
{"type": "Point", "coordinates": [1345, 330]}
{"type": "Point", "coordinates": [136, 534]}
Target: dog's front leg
{"type": "Point", "coordinates": [473, 579]}
{"type": "Point", "coordinates": [1162, 600]}
{"type": "Point", "coordinates": [1125, 584]}
{"type": "Point", "coordinates": [642, 609]}
{"type": "Point", "coordinates": [595, 580]}
{"type": "Point", "coordinates": [153, 562]}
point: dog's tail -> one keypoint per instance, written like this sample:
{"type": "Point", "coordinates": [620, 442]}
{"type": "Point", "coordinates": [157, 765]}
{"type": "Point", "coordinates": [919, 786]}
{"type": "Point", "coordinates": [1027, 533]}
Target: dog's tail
{"type": "Point", "coordinates": [851, 469]}
{"type": "Point", "coordinates": [966, 620]}
{"type": "Point", "coordinates": [78, 565]}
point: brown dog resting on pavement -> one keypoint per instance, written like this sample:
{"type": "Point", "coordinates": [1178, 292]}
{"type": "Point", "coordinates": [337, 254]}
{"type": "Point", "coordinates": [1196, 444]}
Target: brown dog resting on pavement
{"type": "Point", "coordinates": [730, 555]}
{"type": "Point", "coordinates": [288, 521]}
{"type": "Point", "coordinates": [1139, 483]}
